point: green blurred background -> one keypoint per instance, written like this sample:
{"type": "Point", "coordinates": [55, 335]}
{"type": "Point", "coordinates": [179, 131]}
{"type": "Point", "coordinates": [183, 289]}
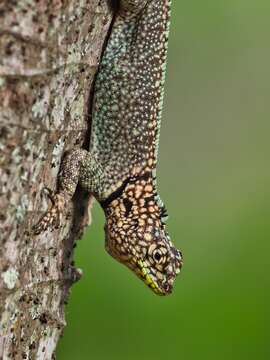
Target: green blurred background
{"type": "Point", "coordinates": [214, 176]}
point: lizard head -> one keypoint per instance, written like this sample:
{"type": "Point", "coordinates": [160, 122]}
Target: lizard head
{"type": "Point", "coordinates": [136, 236]}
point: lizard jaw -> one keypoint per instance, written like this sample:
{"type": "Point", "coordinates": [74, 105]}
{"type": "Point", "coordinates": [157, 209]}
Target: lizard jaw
{"type": "Point", "coordinates": [142, 272]}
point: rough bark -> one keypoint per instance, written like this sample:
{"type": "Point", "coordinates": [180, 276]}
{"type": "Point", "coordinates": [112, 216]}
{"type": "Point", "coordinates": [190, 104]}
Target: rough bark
{"type": "Point", "coordinates": [49, 52]}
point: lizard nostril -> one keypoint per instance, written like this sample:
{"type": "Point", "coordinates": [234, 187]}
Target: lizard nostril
{"type": "Point", "coordinates": [168, 288]}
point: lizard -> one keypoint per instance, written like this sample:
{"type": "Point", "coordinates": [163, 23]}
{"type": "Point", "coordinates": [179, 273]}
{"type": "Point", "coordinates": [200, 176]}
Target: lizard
{"type": "Point", "coordinates": [119, 168]}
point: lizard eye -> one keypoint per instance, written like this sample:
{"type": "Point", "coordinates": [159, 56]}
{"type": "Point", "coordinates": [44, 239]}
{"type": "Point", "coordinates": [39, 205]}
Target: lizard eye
{"type": "Point", "coordinates": [157, 255]}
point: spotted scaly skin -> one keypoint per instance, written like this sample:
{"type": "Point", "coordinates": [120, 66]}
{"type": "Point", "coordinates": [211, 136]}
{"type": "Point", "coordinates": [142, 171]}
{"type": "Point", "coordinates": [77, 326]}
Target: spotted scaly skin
{"type": "Point", "coordinates": [120, 166]}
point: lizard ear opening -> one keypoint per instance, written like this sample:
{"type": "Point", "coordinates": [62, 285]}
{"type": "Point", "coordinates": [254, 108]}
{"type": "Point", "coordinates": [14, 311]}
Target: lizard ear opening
{"type": "Point", "coordinates": [128, 206]}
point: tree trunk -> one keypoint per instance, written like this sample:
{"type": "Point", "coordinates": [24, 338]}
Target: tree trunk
{"type": "Point", "coordinates": [49, 53]}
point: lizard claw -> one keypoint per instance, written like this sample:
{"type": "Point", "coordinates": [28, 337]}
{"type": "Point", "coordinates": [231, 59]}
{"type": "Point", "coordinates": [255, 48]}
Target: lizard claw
{"type": "Point", "coordinates": [51, 219]}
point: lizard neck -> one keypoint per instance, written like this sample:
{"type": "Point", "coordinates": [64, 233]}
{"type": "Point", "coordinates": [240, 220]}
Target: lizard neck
{"type": "Point", "coordinates": [136, 197]}
{"type": "Point", "coordinates": [128, 189]}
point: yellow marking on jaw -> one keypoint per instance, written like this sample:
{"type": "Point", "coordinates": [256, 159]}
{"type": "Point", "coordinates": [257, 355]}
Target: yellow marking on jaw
{"type": "Point", "coordinates": [144, 272]}
{"type": "Point", "coordinates": [148, 280]}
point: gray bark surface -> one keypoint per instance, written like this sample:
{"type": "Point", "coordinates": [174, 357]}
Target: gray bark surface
{"type": "Point", "coordinates": [49, 53]}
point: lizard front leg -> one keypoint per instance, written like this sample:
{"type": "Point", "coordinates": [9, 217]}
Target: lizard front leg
{"type": "Point", "coordinates": [78, 166]}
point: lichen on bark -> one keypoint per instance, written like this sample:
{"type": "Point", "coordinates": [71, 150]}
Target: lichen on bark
{"type": "Point", "coordinates": [49, 54]}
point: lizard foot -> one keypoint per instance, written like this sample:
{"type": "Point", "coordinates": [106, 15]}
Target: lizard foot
{"type": "Point", "coordinates": [51, 219]}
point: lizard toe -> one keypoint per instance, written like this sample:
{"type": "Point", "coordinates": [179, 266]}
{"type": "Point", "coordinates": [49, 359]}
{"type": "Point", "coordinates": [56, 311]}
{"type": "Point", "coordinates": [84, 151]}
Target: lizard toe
{"type": "Point", "coordinates": [51, 219]}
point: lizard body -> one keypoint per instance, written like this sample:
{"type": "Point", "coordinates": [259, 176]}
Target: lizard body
{"type": "Point", "coordinates": [120, 166]}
